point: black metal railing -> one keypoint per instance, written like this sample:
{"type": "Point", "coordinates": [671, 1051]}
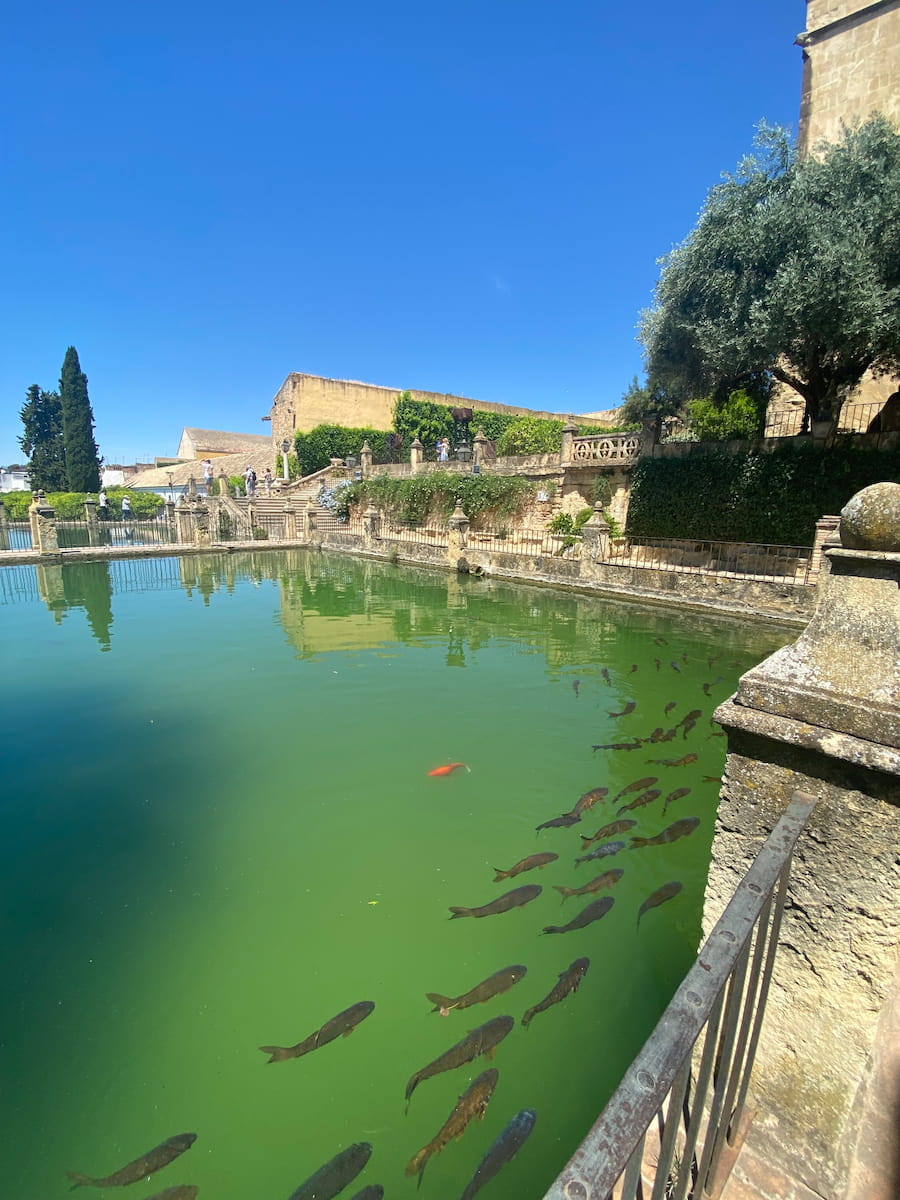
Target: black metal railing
{"type": "Point", "coordinates": [676, 1121]}
{"type": "Point", "coordinates": [737, 560]}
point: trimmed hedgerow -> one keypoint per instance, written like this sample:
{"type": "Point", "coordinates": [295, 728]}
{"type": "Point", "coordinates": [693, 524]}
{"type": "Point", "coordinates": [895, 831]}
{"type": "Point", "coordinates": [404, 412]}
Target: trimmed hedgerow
{"type": "Point", "coordinates": [772, 497]}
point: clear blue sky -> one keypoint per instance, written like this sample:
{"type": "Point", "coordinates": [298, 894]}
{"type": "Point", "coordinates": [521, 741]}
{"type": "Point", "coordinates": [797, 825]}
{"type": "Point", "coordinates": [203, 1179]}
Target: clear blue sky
{"type": "Point", "coordinates": [466, 197]}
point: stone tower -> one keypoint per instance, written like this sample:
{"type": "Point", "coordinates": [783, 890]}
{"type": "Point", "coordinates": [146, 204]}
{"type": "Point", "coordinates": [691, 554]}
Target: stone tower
{"type": "Point", "coordinates": [851, 66]}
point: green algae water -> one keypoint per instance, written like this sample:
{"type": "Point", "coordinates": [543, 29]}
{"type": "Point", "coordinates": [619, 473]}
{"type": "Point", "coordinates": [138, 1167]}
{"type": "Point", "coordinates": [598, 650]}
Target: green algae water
{"type": "Point", "coordinates": [219, 831]}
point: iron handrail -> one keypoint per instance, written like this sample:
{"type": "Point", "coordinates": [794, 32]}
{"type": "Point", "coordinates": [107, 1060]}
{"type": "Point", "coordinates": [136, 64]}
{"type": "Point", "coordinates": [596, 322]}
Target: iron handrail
{"type": "Point", "coordinates": [715, 993]}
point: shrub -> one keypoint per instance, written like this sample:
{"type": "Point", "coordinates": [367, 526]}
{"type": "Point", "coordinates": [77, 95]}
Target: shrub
{"type": "Point", "coordinates": [531, 435]}
{"type": "Point", "coordinates": [741, 416]}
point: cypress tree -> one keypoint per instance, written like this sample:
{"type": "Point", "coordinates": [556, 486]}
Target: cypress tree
{"type": "Point", "coordinates": [82, 460]}
{"type": "Point", "coordinates": [42, 441]}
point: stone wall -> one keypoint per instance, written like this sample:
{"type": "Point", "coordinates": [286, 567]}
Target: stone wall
{"type": "Point", "coordinates": [823, 716]}
{"type": "Point", "coordinates": [305, 401]}
{"type": "Point", "coordinates": [851, 66]}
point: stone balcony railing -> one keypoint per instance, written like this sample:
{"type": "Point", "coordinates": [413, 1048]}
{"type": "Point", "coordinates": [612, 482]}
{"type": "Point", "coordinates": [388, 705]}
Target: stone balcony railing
{"type": "Point", "coordinates": [612, 448]}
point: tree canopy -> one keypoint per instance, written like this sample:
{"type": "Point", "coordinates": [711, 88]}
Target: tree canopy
{"type": "Point", "coordinates": [793, 269]}
{"type": "Point", "coordinates": [82, 459]}
{"type": "Point", "coordinates": [42, 440]}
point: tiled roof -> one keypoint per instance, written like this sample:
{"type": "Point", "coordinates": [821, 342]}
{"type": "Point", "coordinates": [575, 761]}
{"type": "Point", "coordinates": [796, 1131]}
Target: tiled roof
{"type": "Point", "coordinates": [231, 464]}
{"type": "Point", "coordinates": [218, 440]}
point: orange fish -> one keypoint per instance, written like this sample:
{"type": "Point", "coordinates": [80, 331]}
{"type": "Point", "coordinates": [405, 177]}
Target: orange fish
{"type": "Point", "coordinates": [447, 769]}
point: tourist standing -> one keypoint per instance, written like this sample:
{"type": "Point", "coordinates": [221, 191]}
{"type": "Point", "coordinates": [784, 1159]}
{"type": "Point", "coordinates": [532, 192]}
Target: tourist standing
{"type": "Point", "coordinates": [249, 480]}
{"type": "Point", "coordinates": [126, 508]}
{"type": "Point", "coordinates": [208, 475]}
{"type": "Point", "coordinates": [267, 480]}
{"type": "Point", "coordinates": [443, 450]}
{"type": "Point", "coordinates": [103, 505]}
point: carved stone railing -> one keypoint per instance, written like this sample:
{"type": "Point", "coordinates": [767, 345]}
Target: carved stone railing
{"type": "Point", "coordinates": [609, 448]}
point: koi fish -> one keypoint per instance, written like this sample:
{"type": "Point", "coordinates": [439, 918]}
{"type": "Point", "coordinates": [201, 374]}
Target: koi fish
{"type": "Point", "coordinates": [672, 833]}
{"type": "Point", "coordinates": [483, 1040]}
{"type": "Point", "coordinates": [660, 896]}
{"type": "Point", "coordinates": [629, 708]}
{"type": "Point", "coordinates": [526, 864]}
{"type": "Point", "coordinates": [509, 900]}
{"type": "Point", "coordinates": [448, 769]}
{"type": "Point", "coordinates": [568, 982]}
{"type": "Point", "coordinates": [469, 1107]}
{"type": "Point", "coordinates": [140, 1168]}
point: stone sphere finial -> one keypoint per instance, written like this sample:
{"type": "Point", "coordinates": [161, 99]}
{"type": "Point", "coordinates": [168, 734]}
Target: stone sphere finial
{"type": "Point", "coordinates": [871, 519]}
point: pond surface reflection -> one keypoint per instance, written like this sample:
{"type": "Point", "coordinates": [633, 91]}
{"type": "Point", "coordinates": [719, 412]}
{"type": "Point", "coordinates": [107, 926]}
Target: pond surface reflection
{"type": "Point", "coordinates": [220, 832]}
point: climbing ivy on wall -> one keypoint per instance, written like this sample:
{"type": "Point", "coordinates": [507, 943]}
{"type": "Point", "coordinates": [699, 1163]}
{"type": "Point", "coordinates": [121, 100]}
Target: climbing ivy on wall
{"type": "Point", "coordinates": [753, 497]}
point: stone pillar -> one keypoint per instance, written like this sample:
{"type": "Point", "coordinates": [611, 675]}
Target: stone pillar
{"type": "Point", "coordinates": [568, 434]}
{"type": "Point", "coordinates": [826, 536]}
{"type": "Point", "coordinates": [201, 524]}
{"type": "Point", "coordinates": [191, 488]}
{"type": "Point", "coordinates": [371, 524]}
{"type": "Point", "coordinates": [290, 522]}
{"type": "Point", "coordinates": [311, 522]}
{"type": "Point", "coordinates": [93, 525]}
{"type": "Point", "coordinates": [251, 515]}
{"type": "Point", "coordinates": [458, 528]}
{"type": "Point", "coordinates": [365, 460]}
{"type": "Point", "coordinates": [223, 483]}
{"type": "Point", "coordinates": [823, 715]}
{"type": "Point", "coordinates": [416, 456]}
{"type": "Point", "coordinates": [595, 536]}
{"type": "Point", "coordinates": [4, 527]}
{"type": "Point", "coordinates": [42, 519]}
{"type": "Point", "coordinates": [184, 521]}
{"type": "Point", "coordinates": [479, 449]}
{"type": "Point", "coordinates": [170, 521]}
{"type": "Point", "coordinates": [651, 431]}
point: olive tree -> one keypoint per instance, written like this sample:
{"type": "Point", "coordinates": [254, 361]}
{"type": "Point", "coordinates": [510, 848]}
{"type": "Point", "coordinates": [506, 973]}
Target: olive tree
{"type": "Point", "coordinates": [793, 270]}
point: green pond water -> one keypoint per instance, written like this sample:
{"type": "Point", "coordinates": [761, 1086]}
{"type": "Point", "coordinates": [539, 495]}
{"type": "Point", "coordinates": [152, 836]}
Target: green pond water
{"type": "Point", "coordinates": [218, 831]}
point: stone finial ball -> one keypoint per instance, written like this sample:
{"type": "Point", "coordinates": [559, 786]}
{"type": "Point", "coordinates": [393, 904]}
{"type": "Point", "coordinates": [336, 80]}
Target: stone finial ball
{"type": "Point", "coordinates": [871, 519]}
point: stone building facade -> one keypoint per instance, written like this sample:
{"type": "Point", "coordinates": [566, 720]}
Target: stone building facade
{"type": "Point", "coordinates": [305, 401]}
{"type": "Point", "coordinates": [851, 66]}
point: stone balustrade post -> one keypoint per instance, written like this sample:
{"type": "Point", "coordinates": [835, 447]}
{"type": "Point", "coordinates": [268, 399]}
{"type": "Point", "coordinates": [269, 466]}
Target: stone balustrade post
{"type": "Point", "coordinates": [251, 515]}
{"type": "Point", "coordinates": [4, 527]}
{"type": "Point", "coordinates": [827, 535]}
{"type": "Point", "coordinates": [479, 446]}
{"type": "Point", "coordinates": [365, 460]}
{"type": "Point", "coordinates": [568, 441]}
{"type": "Point", "coordinates": [202, 535]}
{"type": "Point", "coordinates": [457, 535]}
{"type": "Point", "coordinates": [170, 520]}
{"type": "Point", "coordinates": [311, 523]}
{"type": "Point", "coordinates": [290, 522]}
{"type": "Point", "coordinates": [822, 716]}
{"type": "Point", "coordinates": [371, 524]}
{"type": "Point", "coordinates": [416, 456]}
{"type": "Point", "coordinates": [184, 521]}
{"type": "Point", "coordinates": [595, 536]}
{"type": "Point", "coordinates": [93, 524]}
{"type": "Point", "coordinates": [651, 432]}
{"type": "Point", "coordinates": [42, 519]}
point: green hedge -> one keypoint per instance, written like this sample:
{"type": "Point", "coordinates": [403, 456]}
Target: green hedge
{"type": "Point", "coordinates": [315, 448]}
{"type": "Point", "coordinates": [69, 506]}
{"type": "Point", "coordinates": [753, 497]}
{"type": "Point", "coordinates": [429, 422]}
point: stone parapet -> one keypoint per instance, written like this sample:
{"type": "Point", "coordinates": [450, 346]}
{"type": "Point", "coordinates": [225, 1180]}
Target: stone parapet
{"type": "Point", "coordinates": [823, 715]}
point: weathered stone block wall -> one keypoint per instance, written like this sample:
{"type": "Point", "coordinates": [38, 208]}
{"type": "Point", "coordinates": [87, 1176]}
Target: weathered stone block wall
{"type": "Point", "coordinates": [305, 401]}
{"type": "Point", "coordinates": [838, 949]}
{"type": "Point", "coordinates": [823, 716]}
{"type": "Point", "coordinates": [851, 66]}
